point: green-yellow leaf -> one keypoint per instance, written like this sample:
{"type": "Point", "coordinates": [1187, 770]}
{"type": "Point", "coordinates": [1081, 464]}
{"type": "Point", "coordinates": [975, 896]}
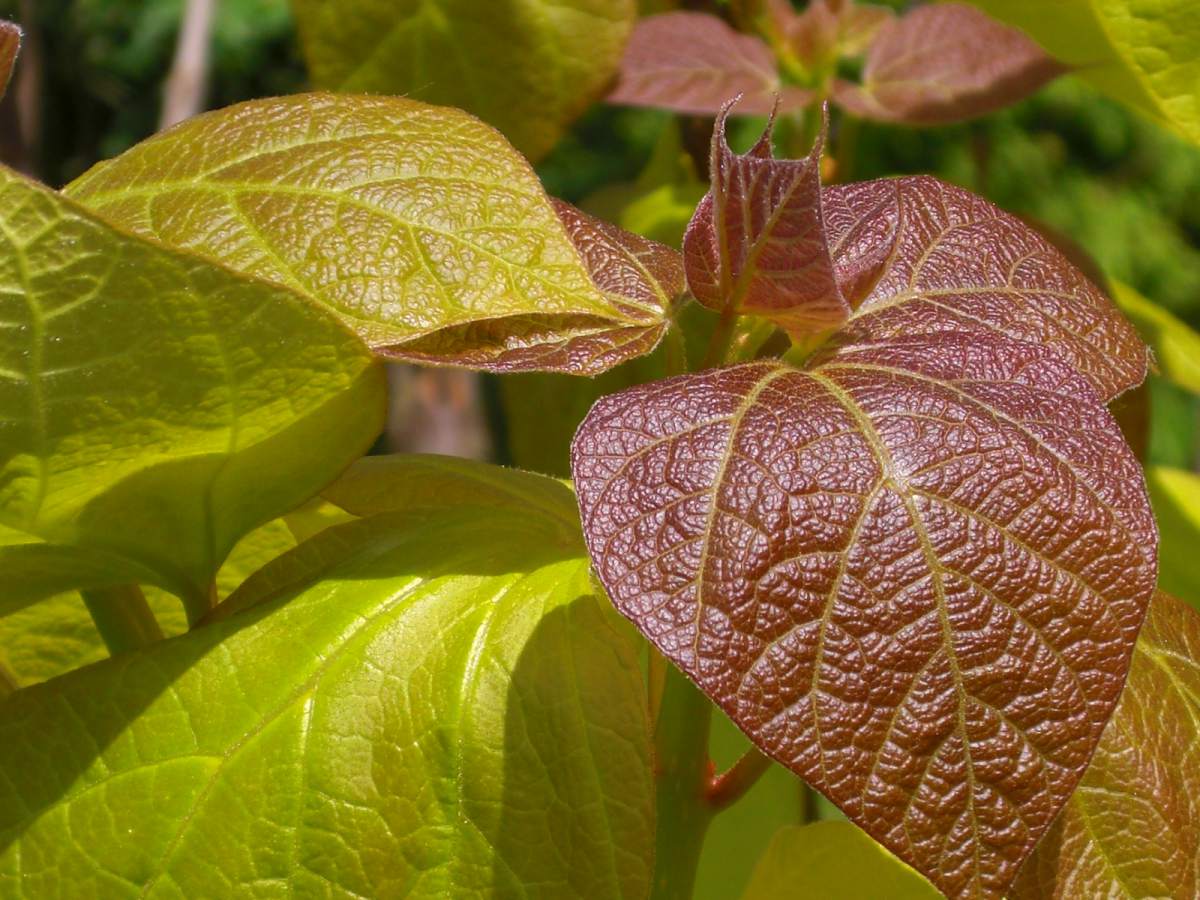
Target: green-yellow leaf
{"type": "Point", "coordinates": [419, 225]}
{"type": "Point", "coordinates": [432, 706]}
{"type": "Point", "coordinates": [154, 407]}
{"type": "Point", "coordinates": [832, 859]}
{"type": "Point", "coordinates": [1175, 496]}
{"type": "Point", "coordinates": [529, 67]}
{"type": "Point", "coordinates": [1176, 346]}
{"type": "Point", "coordinates": [1145, 53]}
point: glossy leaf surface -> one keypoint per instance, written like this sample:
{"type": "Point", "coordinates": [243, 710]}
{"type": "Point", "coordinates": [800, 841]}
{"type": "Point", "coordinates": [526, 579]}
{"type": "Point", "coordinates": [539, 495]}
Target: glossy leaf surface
{"type": "Point", "coordinates": [913, 573]}
{"type": "Point", "coordinates": [529, 67]}
{"type": "Point", "coordinates": [10, 46]}
{"type": "Point", "coordinates": [152, 404]}
{"type": "Point", "coordinates": [1145, 53]}
{"type": "Point", "coordinates": [917, 255]}
{"type": "Point", "coordinates": [944, 63]}
{"type": "Point", "coordinates": [1132, 828]}
{"type": "Point", "coordinates": [694, 62]}
{"type": "Point", "coordinates": [419, 225]}
{"type": "Point", "coordinates": [756, 243]}
{"type": "Point", "coordinates": [832, 859]}
{"type": "Point", "coordinates": [428, 706]}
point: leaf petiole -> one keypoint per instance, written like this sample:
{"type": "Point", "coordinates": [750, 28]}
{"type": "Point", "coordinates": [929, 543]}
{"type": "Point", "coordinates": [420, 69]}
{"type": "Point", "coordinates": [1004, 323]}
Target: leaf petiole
{"type": "Point", "coordinates": [122, 617]}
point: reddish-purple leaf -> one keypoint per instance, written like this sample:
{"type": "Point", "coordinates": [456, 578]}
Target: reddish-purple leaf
{"type": "Point", "coordinates": [642, 278]}
{"type": "Point", "coordinates": [10, 46]}
{"type": "Point", "coordinates": [695, 63]}
{"type": "Point", "coordinates": [1132, 828]}
{"type": "Point", "coordinates": [944, 63]}
{"type": "Point", "coordinates": [756, 243]}
{"type": "Point", "coordinates": [913, 573]}
{"type": "Point", "coordinates": [917, 255]}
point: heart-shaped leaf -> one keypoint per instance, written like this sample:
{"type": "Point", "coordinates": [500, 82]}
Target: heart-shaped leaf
{"type": "Point", "coordinates": [913, 573]}
{"type": "Point", "coordinates": [1132, 827]}
{"type": "Point", "coordinates": [429, 706]}
{"type": "Point", "coordinates": [944, 63]}
{"type": "Point", "coordinates": [694, 63]}
{"type": "Point", "coordinates": [419, 225]}
{"type": "Point", "coordinates": [757, 244]}
{"type": "Point", "coordinates": [154, 407]}
{"type": "Point", "coordinates": [1145, 53]}
{"type": "Point", "coordinates": [916, 255]}
{"type": "Point", "coordinates": [10, 46]}
{"type": "Point", "coordinates": [529, 67]}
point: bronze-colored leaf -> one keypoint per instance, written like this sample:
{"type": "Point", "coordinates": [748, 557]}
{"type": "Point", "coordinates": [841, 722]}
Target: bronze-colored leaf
{"type": "Point", "coordinates": [757, 242]}
{"type": "Point", "coordinates": [695, 63]}
{"type": "Point", "coordinates": [913, 573]}
{"type": "Point", "coordinates": [10, 46]}
{"type": "Point", "coordinates": [916, 255]}
{"type": "Point", "coordinates": [944, 63]}
{"type": "Point", "coordinates": [1132, 827]}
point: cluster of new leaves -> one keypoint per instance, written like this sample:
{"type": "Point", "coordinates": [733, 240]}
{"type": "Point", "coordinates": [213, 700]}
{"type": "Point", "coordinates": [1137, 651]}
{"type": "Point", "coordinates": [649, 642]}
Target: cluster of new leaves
{"type": "Point", "coordinates": [934, 64]}
{"type": "Point", "coordinates": [913, 569]}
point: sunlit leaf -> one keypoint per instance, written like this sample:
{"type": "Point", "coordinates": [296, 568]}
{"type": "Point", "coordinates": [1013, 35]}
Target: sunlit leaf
{"type": "Point", "coordinates": [1145, 53]}
{"type": "Point", "coordinates": [1176, 346]}
{"type": "Point", "coordinates": [832, 859]}
{"type": "Point", "coordinates": [917, 255]}
{"type": "Point", "coordinates": [10, 46]}
{"type": "Point", "coordinates": [529, 67]}
{"type": "Point", "coordinates": [1175, 494]}
{"type": "Point", "coordinates": [757, 241]}
{"type": "Point", "coordinates": [154, 407]}
{"type": "Point", "coordinates": [826, 29]}
{"type": "Point", "coordinates": [428, 707]}
{"type": "Point", "coordinates": [944, 63]}
{"type": "Point", "coordinates": [419, 225]}
{"type": "Point", "coordinates": [913, 573]}
{"type": "Point", "coordinates": [1132, 827]}
{"type": "Point", "coordinates": [695, 63]}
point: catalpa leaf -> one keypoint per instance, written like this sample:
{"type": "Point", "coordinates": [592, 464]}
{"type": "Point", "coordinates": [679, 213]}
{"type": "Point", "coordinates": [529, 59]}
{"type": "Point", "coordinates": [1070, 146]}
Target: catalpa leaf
{"type": "Point", "coordinates": [420, 226]}
{"type": "Point", "coordinates": [432, 706]}
{"type": "Point", "coordinates": [944, 63]}
{"type": "Point", "coordinates": [757, 244]}
{"type": "Point", "coordinates": [1144, 53]}
{"type": "Point", "coordinates": [1132, 827]}
{"type": "Point", "coordinates": [10, 46]}
{"type": "Point", "coordinates": [694, 63]}
{"type": "Point", "coordinates": [916, 255]}
{"type": "Point", "coordinates": [155, 407]}
{"type": "Point", "coordinates": [913, 573]}
{"type": "Point", "coordinates": [529, 67]}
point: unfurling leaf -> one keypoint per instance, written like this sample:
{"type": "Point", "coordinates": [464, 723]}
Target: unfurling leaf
{"type": "Point", "coordinates": [916, 255]}
{"type": "Point", "coordinates": [913, 574]}
{"type": "Point", "coordinates": [10, 46]}
{"type": "Point", "coordinates": [152, 404]}
{"type": "Point", "coordinates": [1132, 827]}
{"type": "Point", "coordinates": [827, 29]}
{"type": "Point", "coordinates": [694, 63]}
{"type": "Point", "coordinates": [420, 226]}
{"type": "Point", "coordinates": [944, 63]}
{"type": "Point", "coordinates": [757, 243]}
{"type": "Point", "coordinates": [529, 67]}
{"type": "Point", "coordinates": [429, 707]}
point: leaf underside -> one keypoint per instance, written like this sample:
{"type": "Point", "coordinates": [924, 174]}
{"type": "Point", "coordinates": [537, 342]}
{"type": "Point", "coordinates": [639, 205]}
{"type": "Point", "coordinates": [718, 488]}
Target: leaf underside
{"type": "Point", "coordinates": [420, 226]}
{"type": "Point", "coordinates": [945, 63]}
{"type": "Point", "coordinates": [1132, 827]}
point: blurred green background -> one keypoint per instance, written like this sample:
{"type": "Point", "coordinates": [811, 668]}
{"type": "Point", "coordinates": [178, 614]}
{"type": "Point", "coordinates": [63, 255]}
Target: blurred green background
{"type": "Point", "coordinates": [1123, 189]}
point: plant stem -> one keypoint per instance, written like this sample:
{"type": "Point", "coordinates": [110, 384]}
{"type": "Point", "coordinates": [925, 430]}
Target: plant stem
{"type": "Point", "coordinates": [731, 785]}
{"type": "Point", "coordinates": [676, 350]}
{"type": "Point", "coordinates": [122, 617]}
{"type": "Point", "coordinates": [683, 771]}
{"type": "Point", "coordinates": [718, 344]}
